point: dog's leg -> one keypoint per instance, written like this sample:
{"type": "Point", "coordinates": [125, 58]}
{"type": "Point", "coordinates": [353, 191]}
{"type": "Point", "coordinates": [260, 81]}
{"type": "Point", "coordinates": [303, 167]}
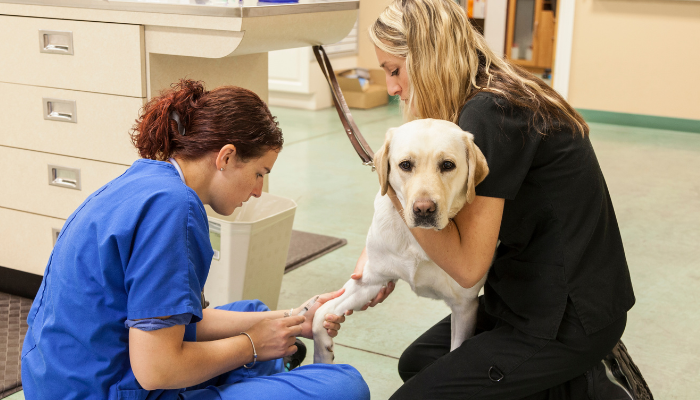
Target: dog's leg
{"type": "Point", "coordinates": [323, 344]}
{"type": "Point", "coordinates": [463, 321]}
{"type": "Point", "coordinates": [356, 295]}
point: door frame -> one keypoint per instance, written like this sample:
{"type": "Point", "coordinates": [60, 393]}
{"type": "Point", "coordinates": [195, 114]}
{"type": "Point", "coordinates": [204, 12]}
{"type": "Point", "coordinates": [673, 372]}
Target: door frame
{"type": "Point", "coordinates": [565, 38]}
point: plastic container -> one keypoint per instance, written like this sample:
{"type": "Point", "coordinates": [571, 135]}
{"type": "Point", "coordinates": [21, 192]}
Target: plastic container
{"type": "Point", "coordinates": [250, 251]}
{"type": "Point", "coordinates": [515, 52]}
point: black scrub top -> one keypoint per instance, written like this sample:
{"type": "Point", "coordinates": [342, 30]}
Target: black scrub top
{"type": "Point", "coordinates": [559, 235]}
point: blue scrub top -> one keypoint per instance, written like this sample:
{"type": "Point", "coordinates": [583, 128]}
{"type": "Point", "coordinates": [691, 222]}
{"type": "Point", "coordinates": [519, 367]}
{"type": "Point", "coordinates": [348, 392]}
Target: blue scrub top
{"type": "Point", "coordinates": [137, 248]}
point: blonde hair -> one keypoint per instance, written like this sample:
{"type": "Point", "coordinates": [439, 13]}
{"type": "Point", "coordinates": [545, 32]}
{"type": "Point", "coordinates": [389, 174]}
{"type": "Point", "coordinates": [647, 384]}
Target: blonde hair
{"type": "Point", "coordinates": [448, 62]}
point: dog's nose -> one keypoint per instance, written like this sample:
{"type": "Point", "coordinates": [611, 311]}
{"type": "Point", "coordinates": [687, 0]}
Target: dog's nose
{"type": "Point", "coordinates": [424, 208]}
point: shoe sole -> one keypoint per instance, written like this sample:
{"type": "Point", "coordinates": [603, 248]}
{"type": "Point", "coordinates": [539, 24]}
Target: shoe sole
{"type": "Point", "coordinates": [630, 373]}
{"type": "Point", "coordinates": [615, 380]}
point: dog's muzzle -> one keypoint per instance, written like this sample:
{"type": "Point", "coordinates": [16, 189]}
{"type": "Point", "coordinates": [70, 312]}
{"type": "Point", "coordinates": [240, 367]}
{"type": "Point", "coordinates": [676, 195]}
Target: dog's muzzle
{"type": "Point", "coordinates": [425, 213]}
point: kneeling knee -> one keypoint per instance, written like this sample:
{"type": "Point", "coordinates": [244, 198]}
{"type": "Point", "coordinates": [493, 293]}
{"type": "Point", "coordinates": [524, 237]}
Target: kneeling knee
{"type": "Point", "coordinates": [410, 363]}
{"type": "Point", "coordinates": [353, 384]}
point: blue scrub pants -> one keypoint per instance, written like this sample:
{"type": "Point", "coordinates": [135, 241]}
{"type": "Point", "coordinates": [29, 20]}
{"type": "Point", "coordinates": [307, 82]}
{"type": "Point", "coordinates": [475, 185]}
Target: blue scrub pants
{"type": "Point", "coordinates": [267, 379]}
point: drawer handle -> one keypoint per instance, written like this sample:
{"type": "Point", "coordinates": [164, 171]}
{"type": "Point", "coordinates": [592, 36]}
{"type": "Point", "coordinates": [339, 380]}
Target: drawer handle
{"type": "Point", "coordinates": [60, 110]}
{"type": "Point", "coordinates": [64, 177]}
{"type": "Point", "coordinates": [56, 42]}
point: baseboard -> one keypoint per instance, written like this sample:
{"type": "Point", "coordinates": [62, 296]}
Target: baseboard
{"type": "Point", "coordinates": [19, 283]}
{"type": "Point", "coordinates": [644, 121]}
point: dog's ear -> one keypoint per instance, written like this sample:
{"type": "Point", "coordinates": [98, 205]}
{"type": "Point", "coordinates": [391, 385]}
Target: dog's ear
{"type": "Point", "coordinates": [478, 169]}
{"type": "Point", "coordinates": [381, 161]}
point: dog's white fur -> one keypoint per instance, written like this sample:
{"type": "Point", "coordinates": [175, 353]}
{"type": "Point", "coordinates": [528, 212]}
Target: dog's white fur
{"type": "Point", "coordinates": [392, 251]}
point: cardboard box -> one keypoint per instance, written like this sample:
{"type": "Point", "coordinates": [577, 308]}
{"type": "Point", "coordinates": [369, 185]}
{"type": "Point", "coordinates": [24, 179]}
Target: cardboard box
{"type": "Point", "coordinates": [371, 95]}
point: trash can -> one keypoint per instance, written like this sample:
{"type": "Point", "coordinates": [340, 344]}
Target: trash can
{"type": "Point", "coordinates": [250, 251]}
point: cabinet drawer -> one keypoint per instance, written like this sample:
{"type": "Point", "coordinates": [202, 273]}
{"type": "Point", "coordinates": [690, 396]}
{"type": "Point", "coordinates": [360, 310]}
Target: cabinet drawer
{"type": "Point", "coordinates": [100, 130]}
{"type": "Point", "coordinates": [106, 58]}
{"type": "Point", "coordinates": [25, 178]}
{"type": "Point", "coordinates": [26, 240]}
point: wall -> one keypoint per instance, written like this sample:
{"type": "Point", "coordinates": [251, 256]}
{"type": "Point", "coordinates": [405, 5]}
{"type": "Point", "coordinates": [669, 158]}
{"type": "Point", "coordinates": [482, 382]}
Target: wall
{"type": "Point", "coordinates": [638, 57]}
{"type": "Point", "coordinates": [369, 11]}
{"type": "Point", "coordinates": [495, 25]}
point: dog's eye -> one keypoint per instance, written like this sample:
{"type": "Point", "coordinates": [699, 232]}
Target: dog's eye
{"type": "Point", "coordinates": [447, 166]}
{"type": "Point", "coordinates": [405, 165]}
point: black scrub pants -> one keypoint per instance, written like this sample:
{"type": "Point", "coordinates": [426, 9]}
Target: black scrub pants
{"type": "Point", "coordinates": [501, 362]}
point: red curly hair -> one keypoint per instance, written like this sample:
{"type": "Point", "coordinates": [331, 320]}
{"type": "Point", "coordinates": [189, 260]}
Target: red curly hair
{"type": "Point", "coordinates": [211, 120]}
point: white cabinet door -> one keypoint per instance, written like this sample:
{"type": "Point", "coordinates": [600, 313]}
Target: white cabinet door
{"type": "Point", "coordinates": [288, 70]}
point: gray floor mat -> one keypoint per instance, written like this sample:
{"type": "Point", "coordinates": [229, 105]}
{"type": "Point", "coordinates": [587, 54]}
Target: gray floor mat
{"type": "Point", "coordinates": [305, 247]}
{"type": "Point", "coordinates": [13, 326]}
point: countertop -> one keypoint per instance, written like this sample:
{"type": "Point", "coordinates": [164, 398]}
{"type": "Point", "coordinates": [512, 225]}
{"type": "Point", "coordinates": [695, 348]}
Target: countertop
{"type": "Point", "coordinates": [222, 8]}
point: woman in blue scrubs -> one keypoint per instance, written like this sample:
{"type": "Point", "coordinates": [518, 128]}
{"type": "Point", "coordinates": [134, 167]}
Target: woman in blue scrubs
{"type": "Point", "coordinates": [120, 314]}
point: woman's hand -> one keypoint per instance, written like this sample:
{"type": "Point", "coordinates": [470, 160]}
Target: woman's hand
{"type": "Point", "coordinates": [357, 274]}
{"type": "Point", "coordinates": [274, 338]}
{"type": "Point", "coordinates": [332, 322]}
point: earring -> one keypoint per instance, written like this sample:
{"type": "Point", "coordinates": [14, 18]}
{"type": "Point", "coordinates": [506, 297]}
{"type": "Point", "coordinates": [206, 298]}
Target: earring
{"type": "Point", "coordinates": [222, 168]}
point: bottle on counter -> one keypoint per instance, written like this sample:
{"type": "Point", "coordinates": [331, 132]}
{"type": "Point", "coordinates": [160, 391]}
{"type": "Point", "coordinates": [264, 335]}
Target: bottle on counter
{"type": "Point", "coordinates": [528, 53]}
{"type": "Point", "coordinates": [515, 51]}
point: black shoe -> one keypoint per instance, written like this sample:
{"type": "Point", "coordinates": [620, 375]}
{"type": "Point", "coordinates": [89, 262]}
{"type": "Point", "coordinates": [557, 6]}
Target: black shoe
{"type": "Point", "coordinates": [295, 360]}
{"type": "Point", "coordinates": [616, 377]}
{"type": "Point", "coordinates": [624, 368]}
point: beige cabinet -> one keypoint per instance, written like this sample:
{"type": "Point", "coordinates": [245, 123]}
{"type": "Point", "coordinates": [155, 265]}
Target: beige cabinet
{"type": "Point", "coordinates": [50, 184]}
{"type": "Point", "coordinates": [27, 240]}
{"type": "Point", "coordinates": [74, 74]}
{"type": "Point", "coordinates": [99, 129]}
{"type": "Point", "coordinates": [70, 91]}
{"type": "Point", "coordinates": [86, 56]}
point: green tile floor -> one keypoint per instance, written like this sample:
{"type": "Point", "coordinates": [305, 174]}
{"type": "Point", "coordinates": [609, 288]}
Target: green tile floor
{"type": "Point", "coordinates": [654, 180]}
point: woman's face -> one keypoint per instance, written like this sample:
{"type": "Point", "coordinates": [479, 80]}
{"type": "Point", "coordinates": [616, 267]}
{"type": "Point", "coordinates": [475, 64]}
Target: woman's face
{"type": "Point", "coordinates": [396, 75]}
{"type": "Point", "coordinates": [239, 181]}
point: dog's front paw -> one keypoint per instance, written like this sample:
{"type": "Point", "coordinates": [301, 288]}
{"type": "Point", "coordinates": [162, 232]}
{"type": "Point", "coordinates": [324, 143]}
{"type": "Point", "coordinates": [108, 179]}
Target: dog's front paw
{"type": "Point", "coordinates": [323, 354]}
{"type": "Point", "coordinates": [323, 343]}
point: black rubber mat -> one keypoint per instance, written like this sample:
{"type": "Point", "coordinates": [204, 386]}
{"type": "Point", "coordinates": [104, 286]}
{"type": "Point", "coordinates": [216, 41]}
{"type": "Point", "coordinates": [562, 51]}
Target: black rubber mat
{"type": "Point", "coordinates": [13, 326]}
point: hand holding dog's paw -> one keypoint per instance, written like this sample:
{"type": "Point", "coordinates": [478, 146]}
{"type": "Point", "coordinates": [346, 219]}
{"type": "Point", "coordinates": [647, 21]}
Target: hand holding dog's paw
{"type": "Point", "coordinates": [331, 323]}
{"type": "Point", "coordinates": [357, 275]}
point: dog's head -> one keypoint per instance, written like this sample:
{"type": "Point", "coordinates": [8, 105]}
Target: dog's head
{"type": "Point", "coordinates": [433, 165]}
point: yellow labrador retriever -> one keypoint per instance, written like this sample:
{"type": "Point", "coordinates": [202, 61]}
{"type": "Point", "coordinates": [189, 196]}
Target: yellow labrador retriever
{"type": "Point", "coordinates": [433, 166]}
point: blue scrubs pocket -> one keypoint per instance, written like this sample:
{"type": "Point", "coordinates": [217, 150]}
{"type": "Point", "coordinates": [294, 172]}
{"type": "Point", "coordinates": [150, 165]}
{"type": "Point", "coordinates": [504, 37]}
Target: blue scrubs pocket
{"type": "Point", "coordinates": [138, 394]}
{"type": "Point", "coordinates": [143, 394]}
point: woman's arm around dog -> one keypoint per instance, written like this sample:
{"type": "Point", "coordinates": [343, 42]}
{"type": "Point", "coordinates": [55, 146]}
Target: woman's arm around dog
{"type": "Point", "coordinates": [465, 248]}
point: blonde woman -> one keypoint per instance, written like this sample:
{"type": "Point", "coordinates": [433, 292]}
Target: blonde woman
{"type": "Point", "coordinates": [558, 289]}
